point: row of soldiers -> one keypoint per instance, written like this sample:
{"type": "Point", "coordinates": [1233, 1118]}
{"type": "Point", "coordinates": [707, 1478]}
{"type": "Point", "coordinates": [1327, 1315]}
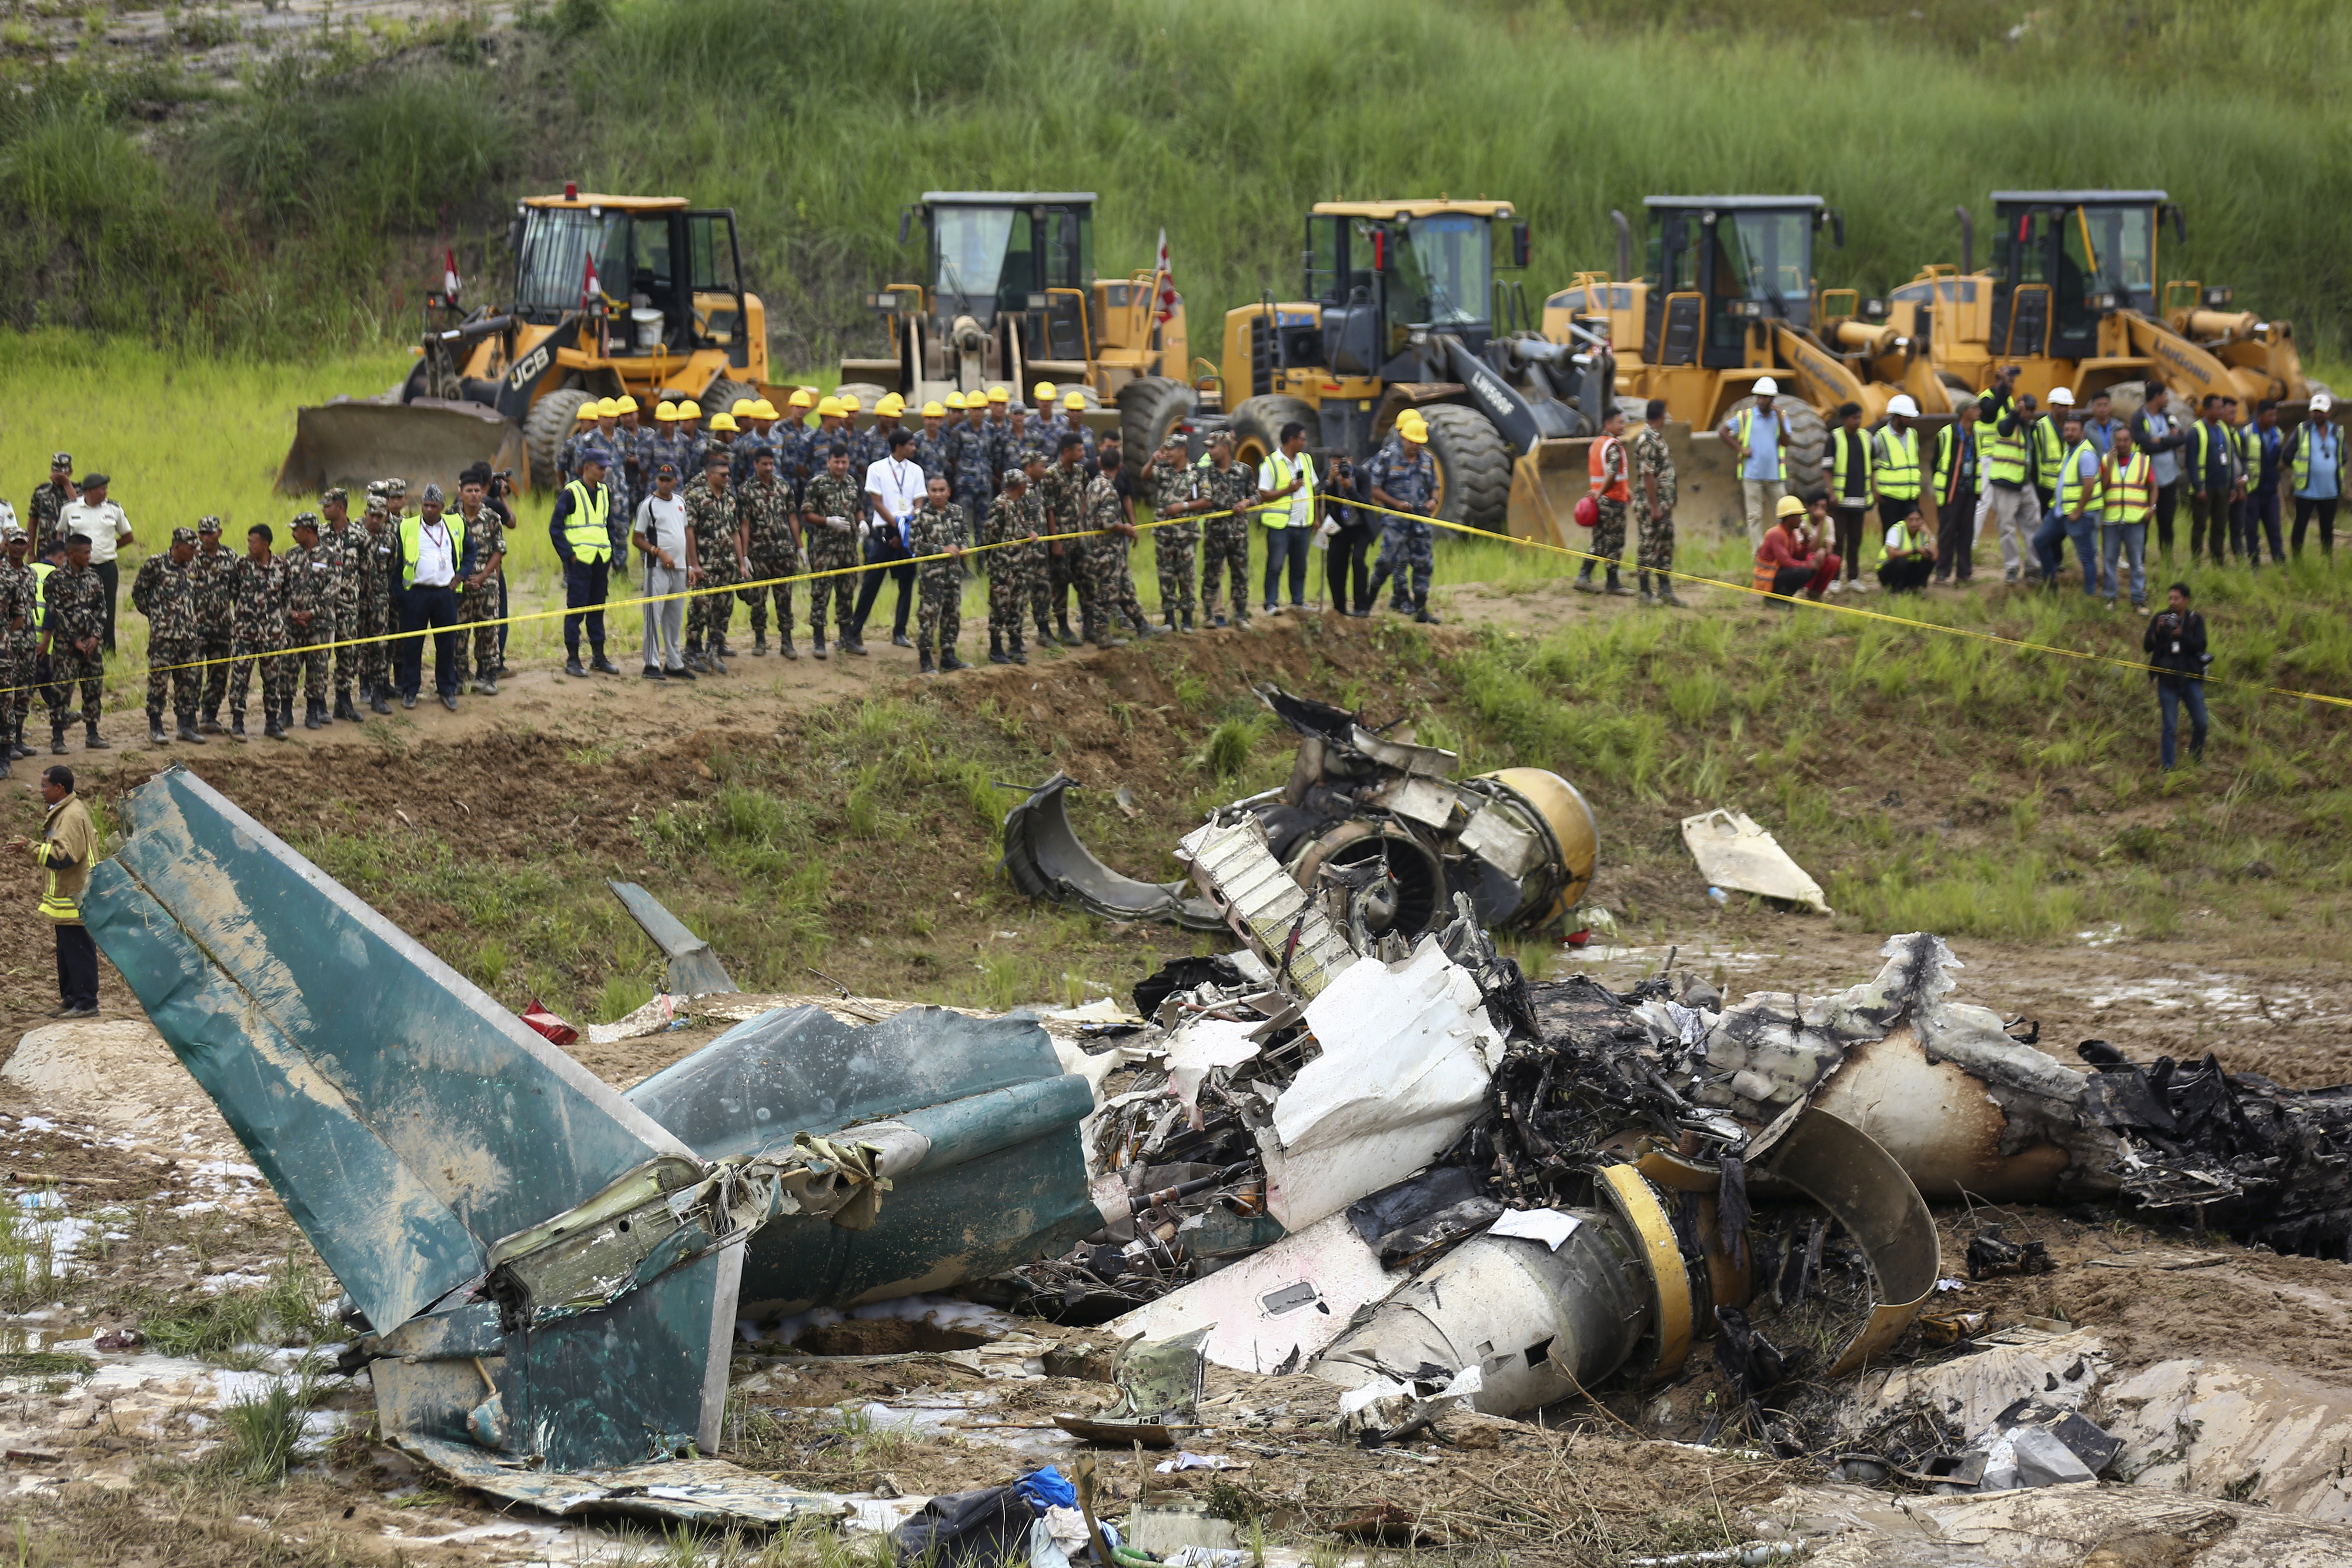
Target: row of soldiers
{"type": "Point", "coordinates": [310, 618]}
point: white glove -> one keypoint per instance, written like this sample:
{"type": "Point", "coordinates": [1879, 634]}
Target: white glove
{"type": "Point", "coordinates": [838, 523]}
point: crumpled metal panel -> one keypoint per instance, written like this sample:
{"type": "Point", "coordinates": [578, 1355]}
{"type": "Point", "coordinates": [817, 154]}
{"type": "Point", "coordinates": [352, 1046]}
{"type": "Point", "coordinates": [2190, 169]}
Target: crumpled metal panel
{"type": "Point", "coordinates": [407, 1120]}
{"type": "Point", "coordinates": [693, 1492]}
{"type": "Point", "coordinates": [1003, 1182]}
{"type": "Point", "coordinates": [1265, 906]}
{"type": "Point", "coordinates": [1044, 859]}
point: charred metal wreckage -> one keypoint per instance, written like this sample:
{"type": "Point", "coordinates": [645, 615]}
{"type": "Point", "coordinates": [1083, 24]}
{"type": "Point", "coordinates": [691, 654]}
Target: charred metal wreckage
{"type": "Point", "coordinates": [1361, 1144]}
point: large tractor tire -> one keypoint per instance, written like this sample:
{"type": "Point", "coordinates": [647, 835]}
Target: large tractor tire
{"type": "Point", "coordinates": [1257, 425]}
{"type": "Point", "coordinates": [1473, 466]}
{"type": "Point", "coordinates": [1149, 407]}
{"type": "Point", "coordinates": [544, 428]}
{"type": "Point", "coordinates": [1809, 441]}
{"type": "Point", "coordinates": [720, 396]}
{"type": "Point", "coordinates": [2124, 399]}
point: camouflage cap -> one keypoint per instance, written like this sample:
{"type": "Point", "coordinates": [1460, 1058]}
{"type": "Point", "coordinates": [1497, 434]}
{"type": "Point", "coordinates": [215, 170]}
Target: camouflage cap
{"type": "Point", "coordinates": [1016, 477]}
{"type": "Point", "coordinates": [63, 460]}
{"type": "Point", "coordinates": [183, 536]}
{"type": "Point", "coordinates": [376, 492]}
{"type": "Point", "coordinates": [10, 533]}
{"type": "Point", "coordinates": [395, 488]}
{"type": "Point", "coordinates": [207, 525]}
{"type": "Point", "coordinates": [333, 493]}
{"type": "Point", "coordinates": [305, 520]}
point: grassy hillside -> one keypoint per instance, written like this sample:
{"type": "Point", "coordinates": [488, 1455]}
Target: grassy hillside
{"type": "Point", "coordinates": [303, 206]}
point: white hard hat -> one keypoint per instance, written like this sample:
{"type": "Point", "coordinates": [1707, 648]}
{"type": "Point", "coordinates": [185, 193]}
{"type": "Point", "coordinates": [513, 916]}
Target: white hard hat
{"type": "Point", "coordinates": [1901, 404]}
{"type": "Point", "coordinates": [2321, 402]}
{"type": "Point", "coordinates": [2061, 396]}
{"type": "Point", "coordinates": [1766, 387]}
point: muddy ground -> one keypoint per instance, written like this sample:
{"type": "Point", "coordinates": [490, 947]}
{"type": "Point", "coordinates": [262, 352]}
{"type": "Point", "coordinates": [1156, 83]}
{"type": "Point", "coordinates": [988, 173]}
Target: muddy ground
{"type": "Point", "coordinates": [113, 1454]}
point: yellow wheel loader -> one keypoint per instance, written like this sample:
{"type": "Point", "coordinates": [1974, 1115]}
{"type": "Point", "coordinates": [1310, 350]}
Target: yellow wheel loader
{"type": "Point", "coordinates": [1728, 299]}
{"type": "Point", "coordinates": [2071, 298]}
{"type": "Point", "coordinates": [1404, 310]}
{"type": "Point", "coordinates": [668, 315]}
{"type": "Point", "coordinates": [1009, 299]}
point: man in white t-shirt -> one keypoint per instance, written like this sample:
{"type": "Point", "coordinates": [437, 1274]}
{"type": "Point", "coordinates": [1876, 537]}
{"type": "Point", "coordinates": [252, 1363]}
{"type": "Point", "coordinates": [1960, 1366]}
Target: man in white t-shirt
{"type": "Point", "coordinates": [103, 523]}
{"type": "Point", "coordinates": [894, 489]}
{"type": "Point", "coordinates": [1286, 494]}
{"type": "Point", "coordinates": [666, 545]}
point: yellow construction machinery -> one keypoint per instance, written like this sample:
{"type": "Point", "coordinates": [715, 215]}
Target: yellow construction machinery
{"type": "Point", "coordinates": [667, 314]}
{"type": "Point", "coordinates": [2071, 298]}
{"type": "Point", "coordinates": [1402, 309]}
{"type": "Point", "coordinates": [1728, 298]}
{"type": "Point", "coordinates": [1010, 299]}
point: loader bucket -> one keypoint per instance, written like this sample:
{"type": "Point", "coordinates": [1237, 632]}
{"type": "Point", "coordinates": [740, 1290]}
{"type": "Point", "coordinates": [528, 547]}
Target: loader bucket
{"type": "Point", "coordinates": [1547, 482]}
{"type": "Point", "coordinates": [351, 442]}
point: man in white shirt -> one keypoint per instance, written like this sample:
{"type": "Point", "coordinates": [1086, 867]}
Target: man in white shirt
{"type": "Point", "coordinates": [666, 545]}
{"type": "Point", "coordinates": [1287, 474]}
{"type": "Point", "coordinates": [429, 557]}
{"type": "Point", "coordinates": [894, 489]}
{"type": "Point", "coordinates": [102, 522]}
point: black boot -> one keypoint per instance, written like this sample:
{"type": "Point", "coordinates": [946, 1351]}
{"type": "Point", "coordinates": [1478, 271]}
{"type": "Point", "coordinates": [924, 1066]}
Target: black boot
{"type": "Point", "coordinates": [573, 666]}
{"type": "Point", "coordinates": [57, 737]}
{"type": "Point", "coordinates": [785, 645]}
{"type": "Point", "coordinates": [758, 642]}
{"type": "Point", "coordinates": [603, 665]}
{"type": "Point", "coordinates": [314, 715]}
{"type": "Point", "coordinates": [1067, 640]}
{"type": "Point", "coordinates": [1615, 587]}
{"type": "Point", "coordinates": [816, 648]}
{"type": "Point", "coordinates": [16, 746]}
{"type": "Point", "coordinates": [237, 725]}
{"type": "Point", "coordinates": [924, 666]}
{"type": "Point", "coordinates": [1584, 583]}
{"type": "Point", "coordinates": [379, 700]}
{"type": "Point", "coordinates": [211, 724]}
{"type": "Point", "coordinates": [1187, 621]}
{"type": "Point", "coordinates": [92, 740]}
{"type": "Point", "coordinates": [345, 711]}
{"type": "Point", "coordinates": [996, 648]}
{"type": "Point", "coordinates": [948, 661]}
{"type": "Point", "coordinates": [1017, 655]}
{"type": "Point", "coordinates": [270, 729]}
{"type": "Point", "coordinates": [155, 736]}
{"type": "Point", "coordinates": [1425, 615]}
{"type": "Point", "coordinates": [188, 730]}
{"type": "Point", "coordinates": [1666, 591]}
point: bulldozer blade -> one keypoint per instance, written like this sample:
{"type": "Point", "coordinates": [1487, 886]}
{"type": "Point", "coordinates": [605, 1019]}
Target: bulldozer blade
{"type": "Point", "coordinates": [1547, 482]}
{"type": "Point", "coordinates": [353, 441]}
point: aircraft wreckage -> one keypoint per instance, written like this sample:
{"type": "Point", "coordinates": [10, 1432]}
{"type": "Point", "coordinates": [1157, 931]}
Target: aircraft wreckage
{"type": "Point", "coordinates": [1381, 1155]}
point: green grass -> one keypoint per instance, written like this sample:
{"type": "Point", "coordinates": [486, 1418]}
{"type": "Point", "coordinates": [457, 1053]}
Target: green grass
{"type": "Point", "coordinates": [232, 1326]}
{"type": "Point", "coordinates": [305, 206]}
{"type": "Point", "coordinates": [262, 1431]}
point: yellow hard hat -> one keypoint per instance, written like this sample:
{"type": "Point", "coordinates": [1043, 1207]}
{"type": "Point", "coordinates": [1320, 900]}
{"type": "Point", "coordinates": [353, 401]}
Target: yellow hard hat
{"type": "Point", "coordinates": [934, 409]}
{"type": "Point", "coordinates": [1789, 507]}
{"type": "Point", "coordinates": [610, 408]}
{"type": "Point", "coordinates": [722, 421]}
{"type": "Point", "coordinates": [1074, 402]}
{"type": "Point", "coordinates": [829, 408]}
{"type": "Point", "coordinates": [848, 403]}
{"type": "Point", "coordinates": [1044, 391]}
{"type": "Point", "coordinates": [587, 414]}
{"type": "Point", "coordinates": [763, 409]}
{"type": "Point", "coordinates": [955, 400]}
{"type": "Point", "coordinates": [1412, 430]}
{"type": "Point", "coordinates": [801, 399]}
{"type": "Point", "coordinates": [690, 408]}
{"type": "Point", "coordinates": [628, 404]}
{"type": "Point", "coordinates": [998, 394]}
{"type": "Point", "coordinates": [891, 406]}
{"type": "Point", "coordinates": [740, 407]}
{"type": "Point", "coordinates": [664, 409]}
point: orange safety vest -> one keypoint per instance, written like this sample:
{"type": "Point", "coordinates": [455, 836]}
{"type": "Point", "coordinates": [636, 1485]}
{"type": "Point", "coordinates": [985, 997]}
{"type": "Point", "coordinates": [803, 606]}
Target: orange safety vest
{"type": "Point", "coordinates": [1595, 457]}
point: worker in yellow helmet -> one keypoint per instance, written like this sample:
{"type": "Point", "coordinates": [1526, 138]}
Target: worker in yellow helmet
{"type": "Point", "coordinates": [973, 470]}
{"type": "Point", "coordinates": [672, 442]}
{"type": "Point", "coordinates": [931, 444]}
{"type": "Point", "coordinates": [583, 434]}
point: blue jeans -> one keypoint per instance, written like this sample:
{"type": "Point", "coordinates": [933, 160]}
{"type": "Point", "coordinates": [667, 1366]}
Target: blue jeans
{"type": "Point", "coordinates": [2083, 530]}
{"type": "Point", "coordinates": [2171, 691]}
{"type": "Point", "coordinates": [2132, 539]}
{"type": "Point", "coordinates": [1281, 544]}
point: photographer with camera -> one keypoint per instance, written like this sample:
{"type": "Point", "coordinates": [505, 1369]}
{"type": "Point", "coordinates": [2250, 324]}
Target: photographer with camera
{"type": "Point", "coordinates": [2175, 645]}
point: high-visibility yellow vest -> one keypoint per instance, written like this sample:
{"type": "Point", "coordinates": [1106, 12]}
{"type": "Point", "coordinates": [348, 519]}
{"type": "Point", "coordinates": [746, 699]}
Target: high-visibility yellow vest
{"type": "Point", "coordinates": [1948, 463]}
{"type": "Point", "coordinates": [2303, 444]}
{"type": "Point", "coordinates": [590, 540]}
{"type": "Point", "coordinates": [1747, 422]}
{"type": "Point", "coordinates": [2070, 479]}
{"type": "Point", "coordinates": [1276, 514]}
{"type": "Point", "coordinates": [2049, 450]}
{"type": "Point", "coordinates": [412, 528]}
{"type": "Point", "coordinates": [2004, 457]}
{"type": "Point", "coordinates": [1898, 463]}
{"type": "Point", "coordinates": [1840, 463]}
{"type": "Point", "coordinates": [41, 570]}
{"type": "Point", "coordinates": [2130, 494]}
{"type": "Point", "coordinates": [1901, 537]}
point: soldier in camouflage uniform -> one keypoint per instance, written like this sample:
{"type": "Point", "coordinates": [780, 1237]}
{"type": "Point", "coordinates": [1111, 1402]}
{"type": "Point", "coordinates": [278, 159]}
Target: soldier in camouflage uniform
{"type": "Point", "coordinates": [212, 567]}
{"type": "Point", "coordinates": [1222, 485]}
{"type": "Point", "coordinates": [376, 619]}
{"type": "Point", "coordinates": [772, 528]}
{"type": "Point", "coordinates": [1403, 476]}
{"type": "Point", "coordinates": [1105, 559]}
{"type": "Point", "coordinates": [966, 446]}
{"type": "Point", "coordinates": [1063, 492]}
{"type": "Point", "coordinates": [1167, 480]}
{"type": "Point", "coordinates": [73, 640]}
{"type": "Point", "coordinates": [166, 591]}
{"type": "Point", "coordinates": [932, 447]}
{"type": "Point", "coordinates": [938, 528]}
{"type": "Point", "coordinates": [829, 529]}
{"type": "Point", "coordinates": [49, 499]}
{"type": "Point", "coordinates": [1654, 505]}
{"type": "Point", "coordinates": [1612, 482]}
{"type": "Point", "coordinates": [20, 631]}
{"type": "Point", "coordinates": [671, 442]}
{"type": "Point", "coordinates": [343, 542]}
{"type": "Point", "coordinates": [1011, 521]}
{"type": "Point", "coordinates": [478, 600]}
{"type": "Point", "coordinates": [712, 516]}
{"type": "Point", "coordinates": [258, 617]}
{"type": "Point", "coordinates": [311, 590]}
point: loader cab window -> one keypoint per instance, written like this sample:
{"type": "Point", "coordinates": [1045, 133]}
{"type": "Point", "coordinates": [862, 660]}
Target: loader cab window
{"type": "Point", "coordinates": [1065, 249]}
{"type": "Point", "coordinates": [1323, 261]}
{"type": "Point", "coordinates": [1443, 273]}
{"type": "Point", "coordinates": [715, 273]}
{"type": "Point", "coordinates": [1769, 257]}
{"type": "Point", "coordinates": [552, 262]}
{"type": "Point", "coordinates": [970, 249]}
{"type": "Point", "coordinates": [2115, 249]}
{"type": "Point", "coordinates": [653, 274]}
